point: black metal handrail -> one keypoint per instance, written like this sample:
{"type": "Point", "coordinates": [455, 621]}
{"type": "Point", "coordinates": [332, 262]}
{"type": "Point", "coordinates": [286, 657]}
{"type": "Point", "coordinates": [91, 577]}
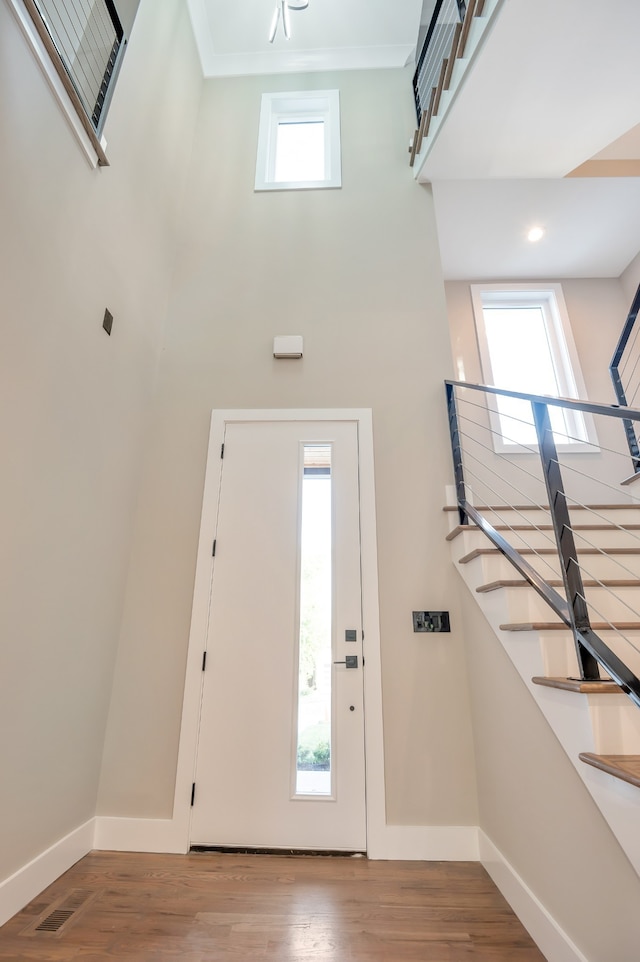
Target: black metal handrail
{"type": "Point", "coordinates": [617, 378]}
{"type": "Point", "coordinates": [85, 41]}
{"type": "Point", "coordinates": [591, 650]}
{"type": "Point", "coordinates": [426, 75]}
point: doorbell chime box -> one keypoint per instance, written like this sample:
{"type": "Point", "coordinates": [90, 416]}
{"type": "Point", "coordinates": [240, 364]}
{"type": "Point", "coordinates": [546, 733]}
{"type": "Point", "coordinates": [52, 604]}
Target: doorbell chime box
{"type": "Point", "coordinates": [287, 345]}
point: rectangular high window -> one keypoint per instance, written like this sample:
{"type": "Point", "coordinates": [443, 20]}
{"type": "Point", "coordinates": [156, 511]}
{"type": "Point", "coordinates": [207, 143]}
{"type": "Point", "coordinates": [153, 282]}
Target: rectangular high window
{"type": "Point", "coordinates": [299, 141]}
{"type": "Point", "coordinates": [526, 345]}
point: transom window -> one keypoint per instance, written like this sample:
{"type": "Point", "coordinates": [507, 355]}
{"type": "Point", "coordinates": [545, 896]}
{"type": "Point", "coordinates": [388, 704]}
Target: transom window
{"type": "Point", "coordinates": [299, 141]}
{"type": "Point", "coordinates": [526, 345]}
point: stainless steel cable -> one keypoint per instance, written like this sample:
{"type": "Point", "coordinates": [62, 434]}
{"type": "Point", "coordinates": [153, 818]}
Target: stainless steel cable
{"type": "Point", "coordinates": [497, 454]}
{"type": "Point", "coordinates": [536, 551]}
{"type": "Point", "coordinates": [606, 554]}
{"type": "Point", "coordinates": [605, 484]}
{"type": "Point", "coordinates": [484, 427]}
{"type": "Point", "coordinates": [592, 607]}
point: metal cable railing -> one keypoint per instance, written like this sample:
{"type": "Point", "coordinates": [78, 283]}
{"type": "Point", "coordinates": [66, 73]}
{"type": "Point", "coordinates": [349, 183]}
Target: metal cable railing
{"type": "Point", "coordinates": [517, 491]}
{"type": "Point", "coordinates": [436, 48]}
{"type": "Point", "coordinates": [625, 375]}
{"type": "Point", "coordinates": [85, 41]}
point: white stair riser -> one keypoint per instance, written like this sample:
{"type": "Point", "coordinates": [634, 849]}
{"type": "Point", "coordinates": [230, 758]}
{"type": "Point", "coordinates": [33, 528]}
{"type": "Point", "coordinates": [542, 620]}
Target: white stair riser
{"type": "Point", "coordinates": [524, 604]}
{"type": "Point", "coordinates": [624, 515]}
{"type": "Point", "coordinates": [534, 538]}
{"type": "Point", "coordinates": [616, 724]}
{"type": "Point", "coordinates": [495, 567]}
{"type": "Point", "coordinates": [559, 653]}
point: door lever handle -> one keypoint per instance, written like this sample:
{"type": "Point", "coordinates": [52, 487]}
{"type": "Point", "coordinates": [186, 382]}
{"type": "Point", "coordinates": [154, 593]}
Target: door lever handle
{"type": "Point", "coordinates": [351, 661]}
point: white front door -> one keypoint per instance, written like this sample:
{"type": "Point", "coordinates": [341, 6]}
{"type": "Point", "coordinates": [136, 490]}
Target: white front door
{"type": "Point", "coordinates": [280, 758]}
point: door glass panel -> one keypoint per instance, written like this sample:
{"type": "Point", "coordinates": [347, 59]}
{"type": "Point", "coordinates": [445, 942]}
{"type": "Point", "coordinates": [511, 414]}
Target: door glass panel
{"type": "Point", "coordinates": [313, 749]}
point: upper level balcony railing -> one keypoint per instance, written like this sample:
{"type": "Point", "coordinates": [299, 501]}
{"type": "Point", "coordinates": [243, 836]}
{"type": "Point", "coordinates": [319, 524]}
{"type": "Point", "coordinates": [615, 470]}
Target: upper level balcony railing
{"type": "Point", "coordinates": [625, 374]}
{"type": "Point", "coordinates": [85, 41]}
{"type": "Point", "coordinates": [451, 40]}
{"type": "Point", "coordinates": [447, 18]}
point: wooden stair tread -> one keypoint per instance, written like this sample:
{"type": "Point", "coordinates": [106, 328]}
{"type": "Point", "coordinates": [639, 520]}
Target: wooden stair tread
{"type": "Point", "coordinates": [479, 552]}
{"type": "Point", "coordinates": [631, 479]}
{"type": "Point", "coordinates": [626, 767]}
{"type": "Point", "coordinates": [558, 583]}
{"type": "Point", "coordinates": [461, 528]}
{"type": "Point", "coordinates": [560, 626]}
{"type": "Point", "coordinates": [604, 686]}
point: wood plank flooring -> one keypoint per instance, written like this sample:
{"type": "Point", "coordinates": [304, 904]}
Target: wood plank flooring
{"type": "Point", "coordinates": [231, 908]}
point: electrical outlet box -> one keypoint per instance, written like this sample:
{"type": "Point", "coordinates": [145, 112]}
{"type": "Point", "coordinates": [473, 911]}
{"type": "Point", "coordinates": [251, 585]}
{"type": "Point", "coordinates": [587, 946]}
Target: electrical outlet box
{"type": "Point", "coordinates": [431, 621]}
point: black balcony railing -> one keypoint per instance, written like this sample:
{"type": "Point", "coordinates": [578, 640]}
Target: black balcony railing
{"type": "Point", "coordinates": [625, 374]}
{"type": "Point", "coordinates": [85, 41]}
{"type": "Point", "coordinates": [436, 47]}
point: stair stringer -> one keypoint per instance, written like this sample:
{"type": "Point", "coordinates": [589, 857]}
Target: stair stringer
{"type": "Point", "coordinates": [568, 714]}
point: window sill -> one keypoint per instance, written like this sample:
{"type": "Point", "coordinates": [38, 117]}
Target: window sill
{"type": "Point", "coordinates": [580, 448]}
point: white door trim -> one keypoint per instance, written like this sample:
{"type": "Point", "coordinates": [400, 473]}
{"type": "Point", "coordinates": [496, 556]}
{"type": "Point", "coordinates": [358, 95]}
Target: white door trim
{"type": "Point", "coordinates": [374, 749]}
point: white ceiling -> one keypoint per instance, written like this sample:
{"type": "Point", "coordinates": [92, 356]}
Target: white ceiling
{"type": "Point", "coordinates": [592, 227]}
{"type": "Point", "coordinates": [232, 36]}
{"type": "Point", "coordinates": [553, 85]}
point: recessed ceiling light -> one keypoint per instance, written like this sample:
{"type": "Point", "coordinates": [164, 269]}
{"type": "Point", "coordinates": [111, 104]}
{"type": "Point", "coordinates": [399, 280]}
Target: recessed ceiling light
{"type": "Point", "coordinates": [535, 234]}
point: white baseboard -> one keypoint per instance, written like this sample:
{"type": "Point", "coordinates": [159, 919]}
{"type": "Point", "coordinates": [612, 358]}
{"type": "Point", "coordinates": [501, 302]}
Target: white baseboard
{"type": "Point", "coordinates": [552, 941]}
{"type": "Point", "coordinates": [451, 843]}
{"type": "Point", "coordinates": [447, 843]}
{"type": "Point", "coordinates": [25, 884]}
{"type": "Point", "coordinates": [165, 835]}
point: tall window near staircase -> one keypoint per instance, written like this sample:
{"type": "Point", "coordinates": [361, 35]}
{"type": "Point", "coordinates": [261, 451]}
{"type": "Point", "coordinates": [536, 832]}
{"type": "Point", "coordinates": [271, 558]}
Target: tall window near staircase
{"type": "Point", "coordinates": [526, 345]}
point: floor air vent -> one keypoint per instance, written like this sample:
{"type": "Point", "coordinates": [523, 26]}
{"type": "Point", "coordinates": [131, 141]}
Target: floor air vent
{"type": "Point", "coordinates": [60, 913]}
{"type": "Point", "coordinates": [55, 921]}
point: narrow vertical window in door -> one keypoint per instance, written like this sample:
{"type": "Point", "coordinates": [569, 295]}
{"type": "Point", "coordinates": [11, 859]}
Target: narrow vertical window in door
{"type": "Point", "coordinates": [314, 703]}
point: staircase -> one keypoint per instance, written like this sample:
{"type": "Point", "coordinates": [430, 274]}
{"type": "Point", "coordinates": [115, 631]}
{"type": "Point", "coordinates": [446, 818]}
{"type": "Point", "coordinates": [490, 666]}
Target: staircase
{"type": "Point", "coordinates": [596, 723]}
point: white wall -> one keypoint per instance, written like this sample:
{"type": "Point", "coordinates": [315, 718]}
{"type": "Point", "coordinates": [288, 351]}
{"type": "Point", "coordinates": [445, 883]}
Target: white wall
{"type": "Point", "coordinates": [537, 812]}
{"type": "Point", "coordinates": [75, 403]}
{"type": "Point", "coordinates": [597, 309]}
{"type": "Point", "coordinates": [356, 271]}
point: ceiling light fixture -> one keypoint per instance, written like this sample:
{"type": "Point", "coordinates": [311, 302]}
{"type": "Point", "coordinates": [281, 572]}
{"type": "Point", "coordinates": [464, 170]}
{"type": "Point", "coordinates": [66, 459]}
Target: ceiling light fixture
{"type": "Point", "coordinates": [282, 12]}
{"type": "Point", "coordinates": [535, 234]}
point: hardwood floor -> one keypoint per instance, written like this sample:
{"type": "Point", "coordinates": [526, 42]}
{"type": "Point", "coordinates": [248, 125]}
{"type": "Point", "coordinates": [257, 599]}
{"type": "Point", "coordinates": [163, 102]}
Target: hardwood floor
{"type": "Point", "coordinates": [235, 908]}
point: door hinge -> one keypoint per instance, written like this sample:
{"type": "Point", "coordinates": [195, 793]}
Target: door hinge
{"type": "Point", "coordinates": [204, 660]}
{"type": "Point", "coordinates": [193, 794]}
{"type": "Point", "coordinates": [222, 452]}
{"type": "Point", "coordinates": [213, 550]}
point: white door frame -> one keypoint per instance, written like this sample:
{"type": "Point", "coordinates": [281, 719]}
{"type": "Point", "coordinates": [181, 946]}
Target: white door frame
{"type": "Point", "coordinates": [374, 748]}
